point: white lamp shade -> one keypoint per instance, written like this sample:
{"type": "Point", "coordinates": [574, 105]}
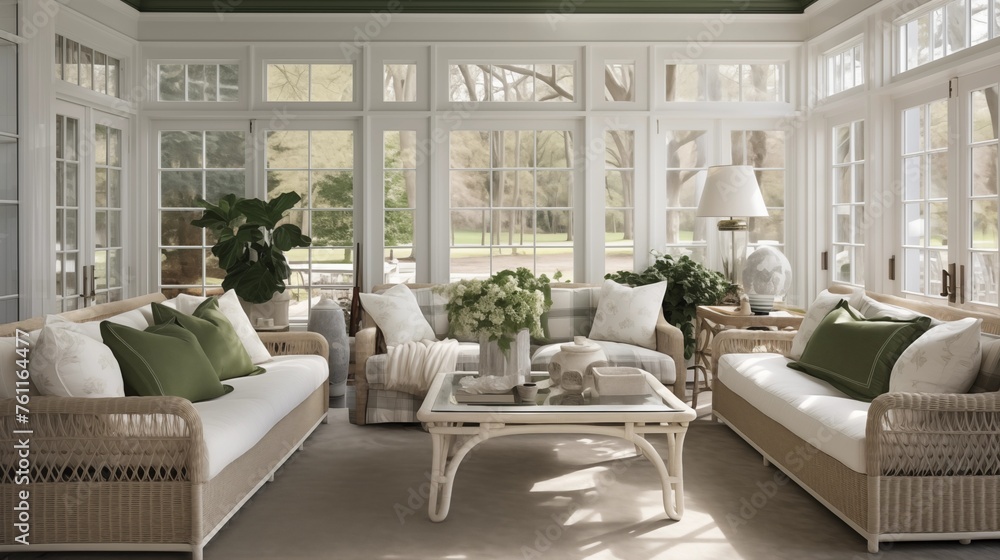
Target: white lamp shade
{"type": "Point", "coordinates": [731, 190]}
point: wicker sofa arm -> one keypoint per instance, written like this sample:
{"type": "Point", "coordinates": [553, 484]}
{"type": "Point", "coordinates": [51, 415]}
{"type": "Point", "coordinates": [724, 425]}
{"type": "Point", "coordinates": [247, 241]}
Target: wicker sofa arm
{"type": "Point", "coordinates": [740, 341]}
{"type": "Point", "coordinates": [118, 439]}
{"type": "Point", "coordinates": [670, 341]}
{"type": "Point", "coordinates": [924, 434]}
{"type": "Point", "coordinates": [289, 343]}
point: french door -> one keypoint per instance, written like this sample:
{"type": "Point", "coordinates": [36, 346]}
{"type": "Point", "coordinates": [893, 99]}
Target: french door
{"type": "Point", "coordinates": [90, 169]}
{"type": "Point", "coordinates": [948, 174]}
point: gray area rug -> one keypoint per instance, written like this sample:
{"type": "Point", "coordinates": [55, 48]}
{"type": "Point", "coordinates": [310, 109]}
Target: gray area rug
{"type": "Point", "coordinates": [359, 493]}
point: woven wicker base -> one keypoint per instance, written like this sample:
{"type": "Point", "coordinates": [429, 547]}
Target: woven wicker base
{"type": "Point", "coordinates": [843, 490]}
{"type": "Point", "coordinates": [900, 507]}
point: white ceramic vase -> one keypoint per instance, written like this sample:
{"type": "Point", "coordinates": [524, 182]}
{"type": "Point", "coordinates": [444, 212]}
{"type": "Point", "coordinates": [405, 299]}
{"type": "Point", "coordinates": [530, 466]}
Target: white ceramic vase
{"type": "Point", "coordinates": [515, 364]}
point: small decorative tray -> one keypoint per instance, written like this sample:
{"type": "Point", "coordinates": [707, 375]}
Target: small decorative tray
{"type": "Point", "coordinates": [619, 381]}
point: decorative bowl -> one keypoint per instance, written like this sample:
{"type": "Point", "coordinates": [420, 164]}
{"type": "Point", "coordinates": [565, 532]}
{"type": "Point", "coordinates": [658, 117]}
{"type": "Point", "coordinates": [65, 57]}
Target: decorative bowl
{"type": "Point", "coordinates": [619, 381]}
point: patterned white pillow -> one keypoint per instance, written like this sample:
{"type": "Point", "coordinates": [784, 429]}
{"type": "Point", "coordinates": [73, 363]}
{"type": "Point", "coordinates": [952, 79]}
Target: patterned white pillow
{"type": "Point", "coordinates": [824, 303]}
{"type": "Point", "coordinates": [229, 305]}
{"type": "Point", "coordinates": [68, 363]}
{"type": "Point", "coordinates": [397, 313]}
{"type": "Point", "coordinates": [873, 309]}
{"type": "Point", "coordinates": [628, 315]}
{"type": "Point", "coordinates": [945, 359]}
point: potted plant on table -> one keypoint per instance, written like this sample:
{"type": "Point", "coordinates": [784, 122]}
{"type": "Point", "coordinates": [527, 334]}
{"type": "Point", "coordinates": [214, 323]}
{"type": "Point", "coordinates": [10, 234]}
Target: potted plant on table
{"type": "Point", "coordinates": [503, 311]}
{"type": "Point", "coordinates": [689, 284]}
{"type": "Point", "coordinates": [251, 248]}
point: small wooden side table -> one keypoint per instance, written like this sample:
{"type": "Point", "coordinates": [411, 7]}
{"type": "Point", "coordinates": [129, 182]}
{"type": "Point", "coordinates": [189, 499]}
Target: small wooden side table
{"type": "Point", "coordinates": [712, 319]}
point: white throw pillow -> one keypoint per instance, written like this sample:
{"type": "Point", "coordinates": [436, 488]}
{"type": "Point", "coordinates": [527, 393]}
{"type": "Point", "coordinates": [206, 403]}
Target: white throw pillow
{"type": "Point", "coordinates": [824, 303]}
{"type": "Point", "coordinates": [628, 315]}
{"type": "Point", "coordinates": [945, 359]}
{"type": "Point", "coordinates": [230, 306]}
{"type": "Point", "coordinates": [873, 309]}
{"type": "Point", "coordinates": [68, 363]}
{"type": "Point", "coordinates": [397, 313]}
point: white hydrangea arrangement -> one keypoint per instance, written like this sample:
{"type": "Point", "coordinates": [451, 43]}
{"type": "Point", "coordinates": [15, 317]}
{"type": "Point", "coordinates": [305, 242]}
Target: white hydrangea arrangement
{"type": "Point", "coordinates": [499, 306]}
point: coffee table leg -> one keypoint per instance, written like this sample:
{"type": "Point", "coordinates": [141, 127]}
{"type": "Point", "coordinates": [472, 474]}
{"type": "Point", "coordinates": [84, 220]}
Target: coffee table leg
{"type": "Point", "coordinates": [439, 501]}
{"type": "Point", "coordinates": [673, 486]}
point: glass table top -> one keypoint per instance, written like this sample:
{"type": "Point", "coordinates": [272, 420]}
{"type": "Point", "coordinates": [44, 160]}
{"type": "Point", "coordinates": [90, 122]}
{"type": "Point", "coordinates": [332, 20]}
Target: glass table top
{"type": "Point", "coordinates": [551, 399]}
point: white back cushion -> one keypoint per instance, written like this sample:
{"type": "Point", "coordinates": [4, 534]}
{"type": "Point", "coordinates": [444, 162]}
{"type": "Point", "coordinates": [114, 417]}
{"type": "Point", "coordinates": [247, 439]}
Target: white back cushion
{"type": "Point", "coordinates": [626, 314]}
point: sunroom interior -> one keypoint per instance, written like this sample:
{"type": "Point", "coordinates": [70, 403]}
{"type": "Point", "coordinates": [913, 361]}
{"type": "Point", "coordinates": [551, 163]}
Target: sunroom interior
{"type": "Point", "coordinates": [430, 146]}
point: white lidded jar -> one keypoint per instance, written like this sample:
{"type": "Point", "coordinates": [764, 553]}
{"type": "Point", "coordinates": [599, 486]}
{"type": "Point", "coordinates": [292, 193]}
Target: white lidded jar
{"type": "Point", "coordinates": [577, 355]}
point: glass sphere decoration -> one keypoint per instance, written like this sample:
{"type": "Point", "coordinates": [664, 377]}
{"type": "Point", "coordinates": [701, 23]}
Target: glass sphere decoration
{"type": "Point", "coordinates": [767, 272]}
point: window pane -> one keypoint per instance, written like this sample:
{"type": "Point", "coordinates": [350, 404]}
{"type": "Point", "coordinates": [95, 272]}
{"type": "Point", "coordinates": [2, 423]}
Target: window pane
{"type": "Point", "coordinates": [619, 78]}
{"type": "Point", "coordinates": [522, 213]}
{"type": "Point", "coordinates": [400, 82]}
{"type": "Point", "coordinates": [332, 82]}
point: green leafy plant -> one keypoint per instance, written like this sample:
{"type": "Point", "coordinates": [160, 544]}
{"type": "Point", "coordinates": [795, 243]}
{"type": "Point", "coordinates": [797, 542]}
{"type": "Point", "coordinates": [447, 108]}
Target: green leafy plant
{"type": "Point", "coordinates": [251, 245]}
{"type": "Point", "coordinates": [499, 306]}
{"type": "Point", "coordinates": [689, 284]}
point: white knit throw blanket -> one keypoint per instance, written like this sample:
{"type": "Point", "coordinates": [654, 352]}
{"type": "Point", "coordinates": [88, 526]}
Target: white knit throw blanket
{"type": "Point", "coordinates": [410, 367]}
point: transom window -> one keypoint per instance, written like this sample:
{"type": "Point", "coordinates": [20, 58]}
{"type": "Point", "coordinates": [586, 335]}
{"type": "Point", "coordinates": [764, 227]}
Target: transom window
{"type": "Point", "coordinates": [303, 82]}
{"type": "Point", "coordinates": [511, 82]}
{"type": "Point", "coordinates": [925, 35]}
{"type": "Point", "coordinates": [844, 68]}
{"type": "Point", "coordinates": [725, 82]}
{"type": "Point", "coordinates": [198, 82]}
{"type": "Point", "coordinates": [87, 67]}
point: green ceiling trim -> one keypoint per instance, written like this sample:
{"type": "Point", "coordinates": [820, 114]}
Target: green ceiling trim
{"type": "Point", "coordinates": [476, 6]}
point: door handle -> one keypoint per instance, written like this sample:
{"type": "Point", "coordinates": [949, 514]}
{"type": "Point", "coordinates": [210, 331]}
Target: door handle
{"type": "Point", "coordinates": [948, 287]}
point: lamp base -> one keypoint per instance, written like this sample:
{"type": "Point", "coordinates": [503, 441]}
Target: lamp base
{"type": "Point", "coordinates": [733, 224]}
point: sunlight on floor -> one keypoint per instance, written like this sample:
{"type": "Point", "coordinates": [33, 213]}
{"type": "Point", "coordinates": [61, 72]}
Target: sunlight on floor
{"type": "Point", "coordinates": [575, 481]}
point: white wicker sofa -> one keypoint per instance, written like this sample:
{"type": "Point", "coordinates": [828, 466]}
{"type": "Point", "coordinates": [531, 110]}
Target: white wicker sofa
{"type": "Point", "coordinates": [907, 466]}
{"type": "Point", "coordinates": [157, 473]}
{"type": "Point", "coordinates": [572, 313]}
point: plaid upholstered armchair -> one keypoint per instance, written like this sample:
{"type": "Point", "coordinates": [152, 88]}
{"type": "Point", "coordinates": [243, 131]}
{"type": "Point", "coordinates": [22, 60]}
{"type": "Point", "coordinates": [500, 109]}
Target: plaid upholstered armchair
{"type": "Point", "coordinates": [572, 314]}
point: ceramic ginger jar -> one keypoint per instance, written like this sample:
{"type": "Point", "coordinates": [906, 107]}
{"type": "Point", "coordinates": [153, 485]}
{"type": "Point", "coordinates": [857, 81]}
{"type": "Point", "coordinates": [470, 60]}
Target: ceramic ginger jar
{"type": "Point", "coordinates": [577, 355]}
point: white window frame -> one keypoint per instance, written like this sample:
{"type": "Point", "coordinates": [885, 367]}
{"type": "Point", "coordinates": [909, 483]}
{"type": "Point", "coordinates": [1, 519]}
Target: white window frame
{"type": "Point", "coordinates": [153, 168]}
{"type": "Point", "coordinates": [309, 53]}
{"type": "Point", "coordinates": [601, 55]}
{"type": "Point", "coordinates": [823, 72]}
{"type": "Point", "coordinates": [380, 55]}
{"type": "Point", "coordinates": [583, 198]}
{"type": "Point", "coordinates": [194, 53]}
{"type": "Point", "coordinates": [512, 54]}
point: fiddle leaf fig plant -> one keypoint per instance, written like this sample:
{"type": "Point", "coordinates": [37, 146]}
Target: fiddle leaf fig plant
{"type": "Point", "coordinates": [250, 244]}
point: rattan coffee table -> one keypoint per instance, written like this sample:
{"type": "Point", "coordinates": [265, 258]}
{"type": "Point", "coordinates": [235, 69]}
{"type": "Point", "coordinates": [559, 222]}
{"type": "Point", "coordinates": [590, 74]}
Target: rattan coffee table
{"type": "Point", "coordinates": [627, 417]}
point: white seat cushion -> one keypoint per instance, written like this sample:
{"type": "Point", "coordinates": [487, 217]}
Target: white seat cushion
{"type": "Point", "coordinates": [808, 407]}
{"type": "Point", "coordinates": [620, 355]}
{"type": "Point", "coordinates": [234, 423]}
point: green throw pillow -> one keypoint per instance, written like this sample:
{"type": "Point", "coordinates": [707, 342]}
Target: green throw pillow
{"type": "Point", "coordinates": [163, 360]}
{"type": "Point", "coordinates": [216, 335]}
{"type": "Point", "coordinates": [856, 355]}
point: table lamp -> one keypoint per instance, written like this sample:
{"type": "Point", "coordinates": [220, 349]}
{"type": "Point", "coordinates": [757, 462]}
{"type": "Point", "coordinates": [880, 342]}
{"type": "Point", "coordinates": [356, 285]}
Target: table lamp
{"type": "Point", "coordinates": [732, 192]}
